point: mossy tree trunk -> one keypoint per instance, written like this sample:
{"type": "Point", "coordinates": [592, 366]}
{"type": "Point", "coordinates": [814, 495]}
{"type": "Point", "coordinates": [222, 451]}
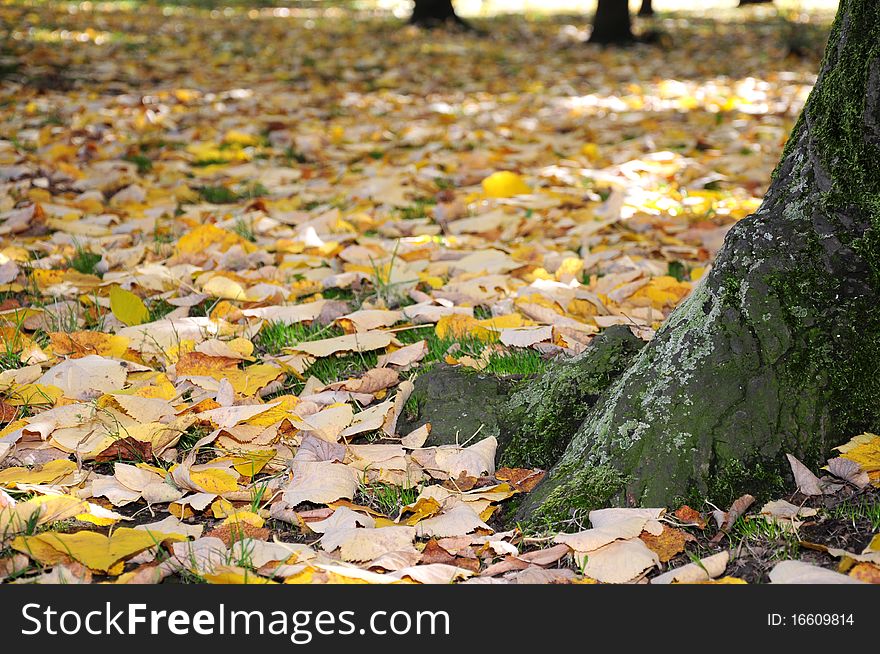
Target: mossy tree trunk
{"type": "Point", "coordinates": [436, 13]}
{"type": "Point", "coordinates": [777, 349]}
{"type": "Point", "coordinates": [612, 23]}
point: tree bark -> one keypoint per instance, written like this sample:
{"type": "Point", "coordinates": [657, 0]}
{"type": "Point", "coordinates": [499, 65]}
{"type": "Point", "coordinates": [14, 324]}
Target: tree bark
{"type": "Point", "coordinates": [777, 349]}
{"type": "Point", "coordinates": [612, 23]}
{"type": "Point", "coordinates": [647, 8]}
{"type": "Point", "coordinates": [436, 13]}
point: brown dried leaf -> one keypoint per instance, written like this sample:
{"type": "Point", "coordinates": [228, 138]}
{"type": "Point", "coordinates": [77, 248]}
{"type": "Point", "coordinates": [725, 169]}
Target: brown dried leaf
{"type": "Point", "coordinates": [669, 543]}
{"type": "Point", "coordinates": [126, 449]}
{"type": "Point", "coordinates": [690, 516]}
{"type": "Point", "coordinates": [229, 533]}
{"type": "Point", "coordinates": [523, 479]}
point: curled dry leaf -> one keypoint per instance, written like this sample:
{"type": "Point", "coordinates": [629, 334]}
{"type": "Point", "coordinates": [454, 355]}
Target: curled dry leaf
{"type": "Point", "coordinates": [807, 482]}
{"type": "Point", "coordinates": [709, 567]}
{"type": "Point", "coordinates": [738, 508]}
{"type": "Point", "coordinates": [405, 357]}
{"type": "Point", "coordinates": [800, 572]}
{"type": "Point", "coordinates": [849, 471]}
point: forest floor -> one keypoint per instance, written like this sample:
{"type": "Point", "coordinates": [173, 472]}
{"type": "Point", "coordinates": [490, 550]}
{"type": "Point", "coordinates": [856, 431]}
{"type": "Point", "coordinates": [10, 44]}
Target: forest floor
{"type": "Point", "coordinates": [230, 240]}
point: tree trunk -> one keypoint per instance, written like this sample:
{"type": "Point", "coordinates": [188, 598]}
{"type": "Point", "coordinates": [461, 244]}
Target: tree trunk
{"type": "Point", "coordinates": [435, 13]}
{"type": "Point", "coordinates": [742, 3]}
{"type": "Point", "coordinates": [647, 8]}
{"type": "Point", "coordinates": [777, 349]}
{"type": "Point", "coordinates": [612, 23]}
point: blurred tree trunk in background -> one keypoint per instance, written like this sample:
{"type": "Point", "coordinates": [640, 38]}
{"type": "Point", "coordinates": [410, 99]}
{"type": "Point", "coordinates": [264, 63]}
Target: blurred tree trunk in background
{"type": "Point", "coordinates": [754, 2]}
{"type": "Point", "coordinates": [647, 8]}
{"type": "Point", "coordinates": [435, 13]}
{"type": "Point", "coordinates": [612, 23]}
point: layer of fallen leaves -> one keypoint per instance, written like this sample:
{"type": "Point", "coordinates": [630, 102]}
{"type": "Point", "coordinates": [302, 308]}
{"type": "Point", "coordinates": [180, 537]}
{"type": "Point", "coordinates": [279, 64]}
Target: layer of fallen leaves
{"type": "Point", "coordinates": [229, 240]}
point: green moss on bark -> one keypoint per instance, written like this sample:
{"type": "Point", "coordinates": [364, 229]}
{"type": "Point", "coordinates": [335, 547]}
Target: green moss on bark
{"type": "Point", "coordinates": [544, 413]}
{"type": "Point", "coordinates": [583, 490]}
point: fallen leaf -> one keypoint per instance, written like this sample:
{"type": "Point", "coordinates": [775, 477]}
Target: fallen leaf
{"type": "Point", "coordinates": [128, 307]}
{"type": "Point", "coordinates": [807, 482]}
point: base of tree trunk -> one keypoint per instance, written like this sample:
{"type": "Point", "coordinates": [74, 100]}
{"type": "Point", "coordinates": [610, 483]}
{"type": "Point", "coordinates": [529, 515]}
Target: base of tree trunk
{"type": "Point", "coordinates": [611, 24]}
{"type": "Point", "coordinates": [456, 23]}
{"type": "Point", "coordinates": [441, 15]}
{"type": "Point", "coordinates": [776, 350]}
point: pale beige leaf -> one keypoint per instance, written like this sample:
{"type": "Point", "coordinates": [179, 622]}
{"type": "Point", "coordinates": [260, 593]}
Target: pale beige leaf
{"type": "Point", "coordinates": [619, 562]}
{"type": "Point", "coordinates": [369, 319]}
{"type": "Point", "coordinates": [320, 482]}
{"type": "Point", "coordinates": [787, 510]}
{"type": "Point", "coordinates": [144, 409]}
{"type": "Point", "coordinates": [525, 336]}
{"type": "Point", "coordinates": [372, 381]}
{"type": "Point", "coordinates": [358, 342]}
{"type": "Point", "coordinates": [368, 420]}
{"type": "Point", "coordinates": [849, 470]}
{"type": "Point", "coordinates": [406, 356]}
{"type": "Point", "coordinates": [709, 567]}
{"type": "Point", "coordinates": [359, 544]}
{"type": "Point", "coordinates": [313, 448]}
{"type": "Point", "coordinates": [172, 525]}
{"type": "Point", "coordinates": [432, 573]}
{"type": "Point", "coordinates": [288, 315]}
{"type": "Point", "coordinates": [807, 482]}
{"type": "Point", "coordinates": [593, 539]}
{"type": "Point", "coordinates": [87, 377]}
{"type": "Point", "coordinates": [800, 572]}
{"type": "Point", "coordinates": [417, 437]}
{"type": "Point", "coordinates": [229, 416]}
{"type": "Point", "coordinates": [329, 423]}
{"type": "Point", "coordinates": [457, 521]}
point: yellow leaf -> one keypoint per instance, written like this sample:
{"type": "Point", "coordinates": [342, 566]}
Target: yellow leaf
{"type": "Point", "coordinates": [507, 321]}
{"type": "Point", "coordinates": [724, 581]}
{"type": "Point", "coordinates": [282, 411]}
{"type": "Point", "coordinates": [214, 480]}
{"type": "Point", "coordinates": [128, 307]}
{"type": "Point", "coordinates": [505, 184]}
{"type": "Point", "coordinates": [203, 236]}
{"type": "Point", "coordinates": [96, 551]}
{"type": "Point", "coordinates": [253, 378]}
{"type": "Point", "coordinates": [84, 343]}
{"type": "Point", "coordinates": [221, 508]}
{"type": "Point", "coordinates": [864, 449]}
{"type": "Point", "coordinates": [457, 326]}
{"type": "Point", "coordinates": [240, 138]}
{"type": "Point", "coordinates": [48, 473]}
{"type": "Point", "coordinates": [246, 517]}
{"type": "Point", "coordinates": [30, 394]}
{"type": "Point", "coordinates": [229, 574]}
{"type": "Point", "coordinates": [422, 509]}
{"type": "Point", "coordinates": [224, 288]}
{"type": "Point", "coordinates": [38, 511]}
{"type": "Point", "coordinates": [662, 292]}
{"type": "Point", "coordinates": [250, 463]}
